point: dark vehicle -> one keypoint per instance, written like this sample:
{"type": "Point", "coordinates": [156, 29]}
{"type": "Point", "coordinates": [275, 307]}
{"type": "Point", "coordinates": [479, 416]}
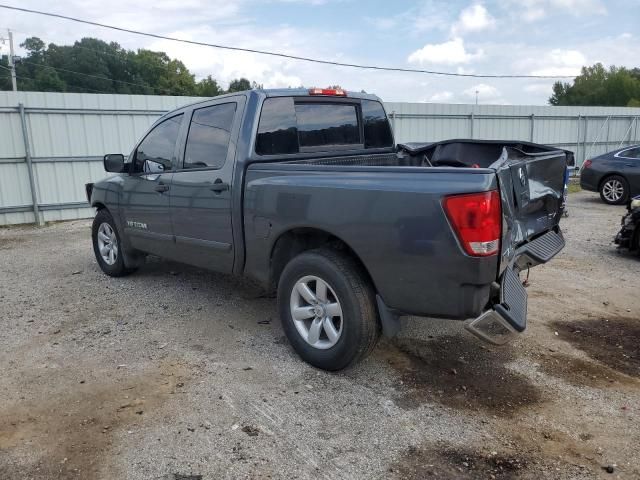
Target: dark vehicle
{"type": "Point", "coordinates": [616, 175]}
{"type": "Point", "coordinates": [306, 193]}
{"type": "Point", "coordinates": [629, 235]}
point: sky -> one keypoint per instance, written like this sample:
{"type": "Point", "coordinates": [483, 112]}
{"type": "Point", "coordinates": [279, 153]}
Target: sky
{"type": "Point", "coordinates": [539, 37]}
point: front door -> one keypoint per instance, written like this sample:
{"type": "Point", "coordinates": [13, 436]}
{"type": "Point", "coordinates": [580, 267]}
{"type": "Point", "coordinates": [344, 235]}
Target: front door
{"type": "Point", "coordinates": [201, 189]}
{"type": "Point", "coordinates": [145, 193]}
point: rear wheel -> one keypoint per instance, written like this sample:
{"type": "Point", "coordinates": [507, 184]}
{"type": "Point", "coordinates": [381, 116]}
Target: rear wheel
{"type": "Point", "coordinates": [107, 245]}
{"type": "Point", "coordinates": [614, 190]}
{"type": "Point", "coordinates": [327, 308]}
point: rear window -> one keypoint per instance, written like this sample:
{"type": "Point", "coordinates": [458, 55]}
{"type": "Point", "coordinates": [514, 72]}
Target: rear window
{"type": "Point", "coordinates": [322, 125]}
{"type": "Point", "coordinates": [631, 153]}
{"type": "Point", "coordinates": [377, 131]}
{"type": "Point", "coordinates": [287, 126]}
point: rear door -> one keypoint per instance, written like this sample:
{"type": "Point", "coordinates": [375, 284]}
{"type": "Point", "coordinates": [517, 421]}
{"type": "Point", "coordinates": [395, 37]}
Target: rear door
{"type": "Point", "coordinates": [145, 192]}
{"type": "Point", "coordinates": [201, 189]}
{"type": "Point", "coordinates": [532, 183]}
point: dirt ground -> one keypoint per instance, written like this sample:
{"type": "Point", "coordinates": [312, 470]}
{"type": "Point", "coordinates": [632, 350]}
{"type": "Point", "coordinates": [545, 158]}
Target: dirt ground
{"type": "Point", "coordinates": [178, 374]}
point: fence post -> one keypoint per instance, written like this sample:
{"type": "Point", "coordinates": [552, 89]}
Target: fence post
{"type": "Point", "coordinates": [578, 139]}
{"type": "Point", "coordinates": [393, 123]}
{"type": "Point", "coordinates": [471, 119]}
{"type": "Point", "coordinates": [584, 139]}
{"type": "Point", "coordinates": [532, 127]}
{"type": "Point", "coordinates": [27, 154]}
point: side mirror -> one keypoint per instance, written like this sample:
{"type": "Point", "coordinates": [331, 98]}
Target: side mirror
{"type": "Point", "coordinates": [114, 162]}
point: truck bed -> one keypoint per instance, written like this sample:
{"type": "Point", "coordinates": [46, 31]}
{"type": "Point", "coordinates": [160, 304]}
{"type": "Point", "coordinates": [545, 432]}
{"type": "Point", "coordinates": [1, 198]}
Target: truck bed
{"type": "Point", "coordinates": [388, 208]}
{"type": "Point", "coordinates": [461, 153]}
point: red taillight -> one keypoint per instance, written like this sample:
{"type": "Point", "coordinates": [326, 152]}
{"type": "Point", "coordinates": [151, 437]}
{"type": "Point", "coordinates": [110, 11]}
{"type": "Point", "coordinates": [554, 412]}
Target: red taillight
{"type": "Point", "coordinates": [477, 221]}
{"type": "Point", "coordinates": [334, 92]}
{"type": "Point", "coordinates": [587, 164]}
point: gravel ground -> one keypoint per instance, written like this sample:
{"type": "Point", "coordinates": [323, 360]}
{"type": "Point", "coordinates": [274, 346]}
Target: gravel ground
{"type": "Point", "coordinates": [175, 373]}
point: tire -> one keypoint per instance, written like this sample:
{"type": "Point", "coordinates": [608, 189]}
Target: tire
{"type": "Point", "coordinates": [614, 190]}
{"type": "Point", "coordinates": [357, 327]}
{"type": "Point", "coordinates": [113, 262]}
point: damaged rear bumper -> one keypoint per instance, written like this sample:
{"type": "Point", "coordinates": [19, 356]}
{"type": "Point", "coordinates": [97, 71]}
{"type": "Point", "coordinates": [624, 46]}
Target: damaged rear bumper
{"type": "Point", "coordinates": [508, 316]}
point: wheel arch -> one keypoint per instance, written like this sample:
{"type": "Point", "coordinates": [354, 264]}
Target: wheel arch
{"type": "Point", "coordinates": [295, 241]}
{"type": "Point", "coordinates": [607, 175]}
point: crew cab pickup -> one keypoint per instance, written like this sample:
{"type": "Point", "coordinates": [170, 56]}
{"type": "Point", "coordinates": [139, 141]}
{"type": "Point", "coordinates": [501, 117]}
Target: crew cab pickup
{"type": "Point", "coordinates": [306, 192]}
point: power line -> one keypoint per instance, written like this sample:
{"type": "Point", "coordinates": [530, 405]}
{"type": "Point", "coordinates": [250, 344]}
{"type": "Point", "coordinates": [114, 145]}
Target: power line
{"type": "Point", "coordinates": [276, 54]}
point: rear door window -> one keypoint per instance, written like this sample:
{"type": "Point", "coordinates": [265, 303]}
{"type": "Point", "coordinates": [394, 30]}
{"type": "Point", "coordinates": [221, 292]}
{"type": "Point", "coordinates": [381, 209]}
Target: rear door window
{"type": "Point", "coordinates": [322, 125]}
{"type": "Point", "coordinates": [208, 138]}
{"type": "Point", "coordinates": [277, 131]}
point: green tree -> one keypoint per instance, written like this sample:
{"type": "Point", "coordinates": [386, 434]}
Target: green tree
{"type": "Point", "coordinates": [48, 80]}
{"type": "Point", "coordinates": [5, 73]}
{"type": "Point", "coordinates": [596, 85]}
{"type": "Point", "coordinates": [208, 87]}
{"type": "Point", "coordinates": [92, 65]}
{"type": "Point", "coordinates": [239, 85]}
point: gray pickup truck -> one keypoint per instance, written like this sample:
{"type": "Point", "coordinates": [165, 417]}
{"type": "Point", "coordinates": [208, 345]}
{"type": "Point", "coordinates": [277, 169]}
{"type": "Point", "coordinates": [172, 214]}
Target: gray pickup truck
{"type": "Point", "coordinates": [305, 192]}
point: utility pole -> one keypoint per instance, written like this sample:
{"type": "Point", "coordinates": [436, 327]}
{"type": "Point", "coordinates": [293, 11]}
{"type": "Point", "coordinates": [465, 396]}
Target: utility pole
{"type": "Point", "coordinates": [477, 91]}
{"type": "Point", "coordinates": [12, 63]}
{"type": "Point", "coordinates": [12, 59]}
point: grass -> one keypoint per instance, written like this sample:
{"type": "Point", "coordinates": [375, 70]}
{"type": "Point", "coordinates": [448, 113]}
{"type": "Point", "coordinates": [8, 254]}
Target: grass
{"type": "Point", "coordinates": [574, 188]}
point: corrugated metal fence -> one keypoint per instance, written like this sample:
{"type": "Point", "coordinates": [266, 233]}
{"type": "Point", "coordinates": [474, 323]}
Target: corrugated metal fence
{"type": "Point", "coordinates": [51, 144]}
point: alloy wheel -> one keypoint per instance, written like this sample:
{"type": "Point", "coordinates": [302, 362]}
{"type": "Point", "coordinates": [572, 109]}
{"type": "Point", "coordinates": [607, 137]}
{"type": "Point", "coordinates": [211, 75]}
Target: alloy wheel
{"type": "Point", "coordinates": [316, 312]}
{"type": "Point", "coordinates": [613, 190]}
{"type": "Point", "coordinates": [107, 243]}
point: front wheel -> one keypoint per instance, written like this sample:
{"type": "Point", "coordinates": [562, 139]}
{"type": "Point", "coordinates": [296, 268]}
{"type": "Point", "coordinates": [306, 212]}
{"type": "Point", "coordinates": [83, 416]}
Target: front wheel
{"type": "Point", "coordinates": [614, 190]}
{"type": "Point", "coordinates": [327, 308]}
{"type": "Point", "coordinates": [107, 245]}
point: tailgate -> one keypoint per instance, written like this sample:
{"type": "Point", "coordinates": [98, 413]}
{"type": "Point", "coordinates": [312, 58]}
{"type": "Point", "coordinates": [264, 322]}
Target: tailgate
{"type": "Point", "coordinates": [532, 189]}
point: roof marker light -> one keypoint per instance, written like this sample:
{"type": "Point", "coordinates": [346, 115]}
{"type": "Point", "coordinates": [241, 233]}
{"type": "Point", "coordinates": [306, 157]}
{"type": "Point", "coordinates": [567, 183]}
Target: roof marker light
{"type": "Point", "coordinates": [333, 92]}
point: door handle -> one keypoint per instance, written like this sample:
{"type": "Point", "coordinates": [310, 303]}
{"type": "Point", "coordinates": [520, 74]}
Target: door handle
{"type": "Point", "coordinates": [219, 186]}
{"type": "Point", "coordinates": [161, 188]}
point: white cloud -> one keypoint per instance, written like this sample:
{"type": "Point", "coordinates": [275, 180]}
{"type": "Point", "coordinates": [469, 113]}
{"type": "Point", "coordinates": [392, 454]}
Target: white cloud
{"type": "Point", "coordinates": [441, 97]}
{"type": "Point", "coordinates": [486, 94]}
{"type": "Point", "coordinates": [452, 52]}
{"type": "Point", "coordinates": [533, 10]}
{"type": "Point", "coordinates": [474, 18]}
{"type": "Point", "coordinates": [426, 16]}
{"type": "Point", "coordinates": [560, 62]}
{"type": "Point", "coordinates": [383, 23]}
{"type": "Point", "coordinates": [483, 89]}
{"type": "Point", "coordinates": [544, 88]}
{"type": "Point", "coordinates": [281, 80]}
{"type": "Point", "coordinates": [567, 57]}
